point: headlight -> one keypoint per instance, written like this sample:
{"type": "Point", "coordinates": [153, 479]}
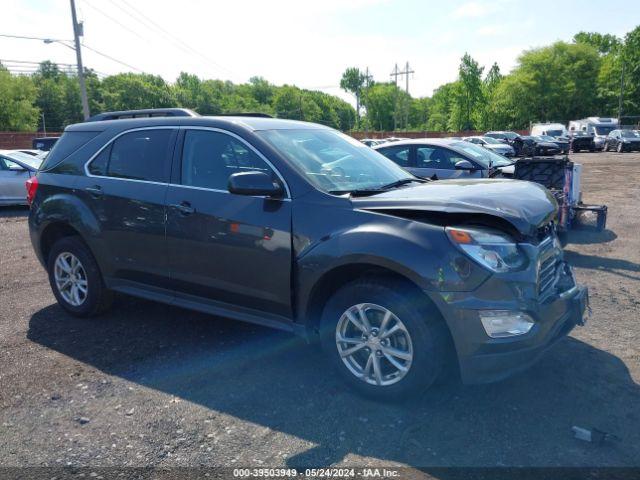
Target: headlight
{"type": "Point", "coordinates": [492, 249]}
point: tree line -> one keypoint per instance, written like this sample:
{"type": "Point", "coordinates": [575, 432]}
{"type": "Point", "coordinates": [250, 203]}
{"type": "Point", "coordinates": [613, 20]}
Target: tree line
{"type": "Point", "coordinates": [56, 95]}
{"type": "Point", "coordinates": [559, 82]}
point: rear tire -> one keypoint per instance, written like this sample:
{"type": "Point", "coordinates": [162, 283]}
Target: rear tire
{"type": "Point", "coordinates": [376, 363]}
{"type": "Point", "coordinates": [620, 147]}
{"type": "Point", "coordinates": [76, 280]}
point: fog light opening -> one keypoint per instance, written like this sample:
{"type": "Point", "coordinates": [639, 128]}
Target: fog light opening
{"type": "Point", "coordinates": [505, 323]}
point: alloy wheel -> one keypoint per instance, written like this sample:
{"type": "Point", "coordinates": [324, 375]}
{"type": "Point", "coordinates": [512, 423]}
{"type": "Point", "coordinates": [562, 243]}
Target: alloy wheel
{"type": "Point", "coordinates": [71, 279]}
{"type": "Point", "coordinates": [374, 344]}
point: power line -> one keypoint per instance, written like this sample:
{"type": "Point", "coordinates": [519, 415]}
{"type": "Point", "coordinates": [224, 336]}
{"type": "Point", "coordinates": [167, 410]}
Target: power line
{"type": "Point", "coordinates": [111, 58]}
{"type": "Point", "coordinates": [102, 12]}
{"type": "Point", "coordinates": [24, 37]}
{"type": "Point", "coordinates": [167, 35]}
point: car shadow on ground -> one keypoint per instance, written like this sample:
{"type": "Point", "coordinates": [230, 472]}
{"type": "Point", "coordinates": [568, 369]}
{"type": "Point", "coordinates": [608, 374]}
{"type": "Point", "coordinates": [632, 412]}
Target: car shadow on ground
{"type": "Point", "coordinates": [617, 266]}
{"type": "Point", "coordinates": [587, 236]}
{"type": "Point", "coordinates": [13, 212]}
{"type": "Point", "coordinates": [272, 379]}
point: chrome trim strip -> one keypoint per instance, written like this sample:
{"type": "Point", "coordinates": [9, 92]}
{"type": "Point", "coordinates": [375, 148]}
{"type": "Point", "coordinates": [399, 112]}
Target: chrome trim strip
{"type": "Point", "coordinates": [188, 127]}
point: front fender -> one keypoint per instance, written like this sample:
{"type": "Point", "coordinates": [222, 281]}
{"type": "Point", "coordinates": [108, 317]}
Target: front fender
{"type": "Point", "coordinates": [420, 252]}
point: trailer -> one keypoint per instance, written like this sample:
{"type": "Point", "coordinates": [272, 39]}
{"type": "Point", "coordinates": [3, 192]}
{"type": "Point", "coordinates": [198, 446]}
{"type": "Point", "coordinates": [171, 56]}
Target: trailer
{"type": "Point", "coordinates": [563, 178]}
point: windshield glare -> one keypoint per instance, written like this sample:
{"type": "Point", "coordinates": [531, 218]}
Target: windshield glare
{"type": "Point", "coordinates": [482, 155]}
{"type": "Point", "coordinates": [334, 162]}
{"type": "Point", "coordinates": [629, 134]}
{"type": "Point", "coordinates": [603, 130]}
{"type": "Point", "coordinates": [492, 141]}
{"type": "Point", "coordinates": [554, 133]}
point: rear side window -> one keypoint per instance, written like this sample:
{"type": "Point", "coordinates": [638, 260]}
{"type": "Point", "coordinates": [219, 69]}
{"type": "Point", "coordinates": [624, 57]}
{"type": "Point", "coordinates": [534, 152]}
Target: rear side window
{"type": "Point", "coordinates": [140, 155]}
{"type": "Point", "coordinates": [68, 144]}
{"type": "Point", "coordinates": [209, 158]}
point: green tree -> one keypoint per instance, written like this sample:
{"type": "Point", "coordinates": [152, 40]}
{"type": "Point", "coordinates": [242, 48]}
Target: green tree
{"type": "Point", "coordinates": [487, 111]}
{"type": "Point", "coordinates": [17, 102]}
{"type": "Point", "coordinates": [441, 105]}
{"type": "Point", "coordinates": [468, 95]}
{"type": "Point", "coordinates": [604, 44]}
{"type": "Point", "coordinates": [354, 81]}
{"type": "Point", "coordinates": [380, 101]}
{"type": "Point", "coordinates": [631, 61]}
{"type": "Point", "coordinates": [126, 91]}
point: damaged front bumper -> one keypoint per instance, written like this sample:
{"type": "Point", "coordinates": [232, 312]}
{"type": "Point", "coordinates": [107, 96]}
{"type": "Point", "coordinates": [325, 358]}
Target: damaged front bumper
{"type": "Point", "coordinates": [547, 295]}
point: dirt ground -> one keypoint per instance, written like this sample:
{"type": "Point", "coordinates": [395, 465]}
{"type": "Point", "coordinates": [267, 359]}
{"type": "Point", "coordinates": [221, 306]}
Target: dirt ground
{"type": "Point", "coordinates": [150, 385]}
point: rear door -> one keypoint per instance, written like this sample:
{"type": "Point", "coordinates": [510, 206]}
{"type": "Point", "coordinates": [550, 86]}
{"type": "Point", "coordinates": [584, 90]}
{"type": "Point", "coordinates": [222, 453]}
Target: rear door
{"type": "Point", "coordinates": [225, 248]}
{"type": "Point", "coordinates": [126, 186]}
{"type": "Point", "coordinates": [12, 179]}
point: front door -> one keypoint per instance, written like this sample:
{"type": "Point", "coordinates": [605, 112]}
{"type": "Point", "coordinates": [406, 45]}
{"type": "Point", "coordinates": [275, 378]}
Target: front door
{"type": "Point", "coordinates": [439, 163]}
{"type": "Point", "coordinates": [126, 189]}
{"type": "Point", "coordinates": [222, 247]}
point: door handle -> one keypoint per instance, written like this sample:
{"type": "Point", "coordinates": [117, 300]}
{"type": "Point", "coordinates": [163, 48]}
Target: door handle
{"type": "Point", "coordinates": [95, 191]}
{"type": "Point", "coordinates": [184, 208]}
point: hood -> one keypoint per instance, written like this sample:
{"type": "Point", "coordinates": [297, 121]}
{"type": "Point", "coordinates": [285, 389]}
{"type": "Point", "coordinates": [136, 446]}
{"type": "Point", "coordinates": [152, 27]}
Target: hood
{"type": "Point", "coordinates": [503, 147]}
{"type": "Point", "coordinates": [525, 205]}
{"type": "Point", "coordinates": [547, 144]}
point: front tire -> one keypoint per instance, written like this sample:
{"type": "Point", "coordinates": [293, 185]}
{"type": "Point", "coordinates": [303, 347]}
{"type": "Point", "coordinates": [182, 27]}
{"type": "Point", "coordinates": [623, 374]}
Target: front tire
{"type": "Point", "coordinates": [76, 280]}
{"type": "Point", "coordinates": [385, 344]}
{"type": "Point", "coordinates": [620, 147]}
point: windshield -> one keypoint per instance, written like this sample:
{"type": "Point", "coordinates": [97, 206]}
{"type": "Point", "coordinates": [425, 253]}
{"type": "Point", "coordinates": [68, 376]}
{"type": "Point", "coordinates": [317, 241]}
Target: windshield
{"type": "Point", "coordinates": [629, 134]}
{"type": "Point", "coordinates": [492, 141]}
{"type": "Point", "coordinates": [547, 138]}
{"type": "Point", "coordinates": [25, 158]}
{"type": "Point", "coordinates": [482, 155]}
{"type": "Point", "coordinates": [553, 133]}
{"type": "Point", "coordinates": [603, 130]}
{"type": "Point", "coordinates": [332, 161]}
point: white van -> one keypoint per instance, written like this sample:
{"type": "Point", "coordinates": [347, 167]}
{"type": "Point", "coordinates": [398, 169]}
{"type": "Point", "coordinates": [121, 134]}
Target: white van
{"type": "Point", "coordinates": [550, 129]}
{"type": "Point", "coordinates": [599, 127]}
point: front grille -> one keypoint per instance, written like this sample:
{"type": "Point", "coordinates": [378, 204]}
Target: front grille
{"type": "Point", "coordinates": [548, 267]}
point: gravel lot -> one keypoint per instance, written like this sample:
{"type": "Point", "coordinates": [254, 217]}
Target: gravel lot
{"type": "Point", "coordinates": [150, 385]}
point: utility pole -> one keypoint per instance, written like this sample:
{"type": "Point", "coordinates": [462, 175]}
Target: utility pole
{"type": "Point", "coordinates": [621, 94]}
{"type": "Point", "coordinates": [77, 33]}
{"type": "Point", "coordinates": [395, 74]}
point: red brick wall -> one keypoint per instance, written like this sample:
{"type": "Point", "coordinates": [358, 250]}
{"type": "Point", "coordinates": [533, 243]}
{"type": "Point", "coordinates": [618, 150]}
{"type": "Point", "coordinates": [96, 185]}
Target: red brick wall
{"type": "Point", "coordinates": [11, 140]}
{"type": "Point", "coordinates": [422, 134]}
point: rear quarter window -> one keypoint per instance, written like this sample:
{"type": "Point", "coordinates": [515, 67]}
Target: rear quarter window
{"type": "Point", "coordinates": [69, 143]}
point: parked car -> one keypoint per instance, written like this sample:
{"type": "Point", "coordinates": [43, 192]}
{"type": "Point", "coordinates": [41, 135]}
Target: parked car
{"type": "Point", "coordinates": [553, 130]}
{"type": "Point", "coordinates": [299, 227]}
{"type": "Point", "coordinates": [44, 143]}
{"type": "Point", "coordinates": [562, 143]}
{"type": "Point", "coordinates": [372, 142]}
{"type": "Point", "coordinates": [439, 158]}
{"type": "Point", "coordinates": [536, 147]}
{"type": "Point", "coordinates": [598, 127]}
{"type": "Point", "coordinates": [15, 169]}
{"type": "Point", "coordinates": [492, 144]}
{"type": "Point", "coordinates": [622, 141]}
{"type": "Point", "coordinates": [579, 141]}
{"type": "Point", "coordinates": [511, 138]}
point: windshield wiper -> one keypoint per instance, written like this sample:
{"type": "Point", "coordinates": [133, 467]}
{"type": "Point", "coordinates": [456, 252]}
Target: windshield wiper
{"type": "Point", "coordinates": [363, 192]}
{"type": "Point", "coordinates": [399, 183]}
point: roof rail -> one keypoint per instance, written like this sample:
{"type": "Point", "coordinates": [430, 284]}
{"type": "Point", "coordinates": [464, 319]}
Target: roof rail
{"type": "Point", "coordinates": [244, 114]}
{"type": "Point", "coordinates": [145, 113]}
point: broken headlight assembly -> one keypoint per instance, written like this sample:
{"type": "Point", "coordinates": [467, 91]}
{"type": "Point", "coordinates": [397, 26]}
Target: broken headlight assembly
{"type": "Point", "coordinates": [490, 248]}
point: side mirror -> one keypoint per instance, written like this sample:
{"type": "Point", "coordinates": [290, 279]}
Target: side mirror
{"type": "Point", "coordinates": [465, 165]}
{"type": "Point", "coordinates": [255, 183]}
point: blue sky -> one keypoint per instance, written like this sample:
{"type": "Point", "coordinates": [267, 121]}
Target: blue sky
{"type": "Point", "coordinates": [306, 43]}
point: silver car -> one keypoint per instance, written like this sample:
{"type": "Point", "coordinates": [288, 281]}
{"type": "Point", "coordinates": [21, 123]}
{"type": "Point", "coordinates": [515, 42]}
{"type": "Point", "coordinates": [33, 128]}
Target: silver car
{"type": "Point", "coordinates": [15, 169]}
{"type": "Point", "coordinates": [442, 159]}
{"type": "Point", "coordinates": [492, 144]}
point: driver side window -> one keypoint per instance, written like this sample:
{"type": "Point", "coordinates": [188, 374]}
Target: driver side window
{"type": "Point", "coordinates": [399, 154]}
{"type": "Point", "coordinates": [437, 157]}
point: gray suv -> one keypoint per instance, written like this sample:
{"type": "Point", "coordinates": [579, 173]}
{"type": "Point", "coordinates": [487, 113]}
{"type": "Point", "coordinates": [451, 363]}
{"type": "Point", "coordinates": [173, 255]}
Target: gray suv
{"type": "Point", "coordinates": [298, 227]}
